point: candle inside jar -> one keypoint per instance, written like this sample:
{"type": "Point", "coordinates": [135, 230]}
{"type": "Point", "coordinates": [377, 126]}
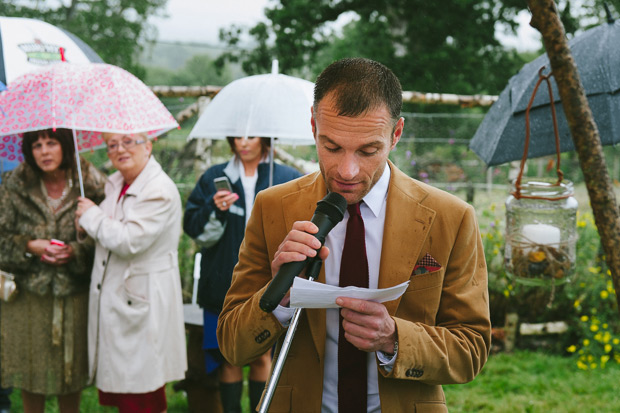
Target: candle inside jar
{"type": "Point", "coordinates": [542, 234]}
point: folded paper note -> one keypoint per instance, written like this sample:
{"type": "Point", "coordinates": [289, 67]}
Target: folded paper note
{"type": "Point", "coordinates": [311, 294]}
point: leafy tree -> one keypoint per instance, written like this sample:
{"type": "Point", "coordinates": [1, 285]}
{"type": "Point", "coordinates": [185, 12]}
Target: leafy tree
{"type": "Point", "coordinates": [433, 46]}
{"type": "Point", "coordinates": [115, 29]}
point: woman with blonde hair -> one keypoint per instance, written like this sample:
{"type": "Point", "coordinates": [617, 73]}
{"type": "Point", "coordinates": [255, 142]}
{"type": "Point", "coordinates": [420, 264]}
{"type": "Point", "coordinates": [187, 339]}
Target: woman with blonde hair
{"type": "Point", "coordinates": [136, 331]}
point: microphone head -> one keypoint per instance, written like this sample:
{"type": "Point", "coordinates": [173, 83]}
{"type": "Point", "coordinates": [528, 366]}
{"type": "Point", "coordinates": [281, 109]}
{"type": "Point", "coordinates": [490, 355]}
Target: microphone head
{"type": "Point", "coordinates": [333, 205]}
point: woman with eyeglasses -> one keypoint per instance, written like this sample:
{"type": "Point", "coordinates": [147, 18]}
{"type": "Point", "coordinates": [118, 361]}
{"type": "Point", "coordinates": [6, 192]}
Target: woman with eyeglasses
{"type": "Point", "coordinates": [44, 328]}
{"type": "Point", "coordinates": [136, 330]}
{"type": "Point", "coordinates": [216, 219]}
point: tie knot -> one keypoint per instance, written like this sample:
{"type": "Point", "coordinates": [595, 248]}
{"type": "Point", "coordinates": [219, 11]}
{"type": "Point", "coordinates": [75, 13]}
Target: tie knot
{"type": "Point", "coordinates": [354, 209]}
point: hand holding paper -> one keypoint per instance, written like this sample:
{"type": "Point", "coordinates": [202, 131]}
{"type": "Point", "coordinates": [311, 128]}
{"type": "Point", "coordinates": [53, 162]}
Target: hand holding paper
{"type": "Point", "coordinates": [310, 294]}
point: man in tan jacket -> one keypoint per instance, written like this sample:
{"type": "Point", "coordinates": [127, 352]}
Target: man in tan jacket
{"type": "Point", "coordinates": [437, 333]}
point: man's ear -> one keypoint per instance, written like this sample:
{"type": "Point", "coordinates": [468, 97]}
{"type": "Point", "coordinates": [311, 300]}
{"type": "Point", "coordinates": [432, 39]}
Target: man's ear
{"type": "Point", "coordinates": [312, 122]}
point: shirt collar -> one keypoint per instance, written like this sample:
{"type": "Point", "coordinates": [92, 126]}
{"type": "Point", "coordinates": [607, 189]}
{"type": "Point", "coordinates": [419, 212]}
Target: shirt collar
{"type": "Point", "coordinates": [378, 194]}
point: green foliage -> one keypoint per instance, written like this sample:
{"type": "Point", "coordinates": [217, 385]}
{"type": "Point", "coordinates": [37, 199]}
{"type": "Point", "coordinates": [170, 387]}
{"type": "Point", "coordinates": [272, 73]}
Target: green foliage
{"type": "Point", "coordinates": [587, 304]}
{"type": "Point", "coordinates": [429, 45]}
{"type": "Point", "coordinates": [114, 29]}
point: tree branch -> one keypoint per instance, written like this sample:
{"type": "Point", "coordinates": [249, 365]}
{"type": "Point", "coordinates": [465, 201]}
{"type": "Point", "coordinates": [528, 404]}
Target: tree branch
{"type": "Point", "coordinates": [584, 131]}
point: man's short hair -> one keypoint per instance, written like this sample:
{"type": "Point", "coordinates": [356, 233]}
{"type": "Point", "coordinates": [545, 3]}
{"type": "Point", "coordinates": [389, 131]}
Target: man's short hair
{"type": "Point", "coordinates": [359, 85]}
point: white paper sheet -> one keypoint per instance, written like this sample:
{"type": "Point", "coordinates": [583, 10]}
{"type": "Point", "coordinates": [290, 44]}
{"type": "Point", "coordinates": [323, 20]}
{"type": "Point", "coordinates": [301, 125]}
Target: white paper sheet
{"type": "Point", "coordinates": [311, 294]}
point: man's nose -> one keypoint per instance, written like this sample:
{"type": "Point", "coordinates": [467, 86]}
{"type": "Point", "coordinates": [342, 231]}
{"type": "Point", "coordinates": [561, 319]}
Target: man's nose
{"type": "Point", "coordinates": [348, 167]}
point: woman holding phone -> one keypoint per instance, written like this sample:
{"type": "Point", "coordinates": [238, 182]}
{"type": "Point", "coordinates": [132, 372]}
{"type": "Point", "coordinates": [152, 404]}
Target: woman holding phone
{"type": "Point", "coordinates": [43, 342]}
{"type": "Point", "coordinates": [215, 217]}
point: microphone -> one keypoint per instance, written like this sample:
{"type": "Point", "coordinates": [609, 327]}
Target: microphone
{"type": "Point", "coordinates": [329, 212]}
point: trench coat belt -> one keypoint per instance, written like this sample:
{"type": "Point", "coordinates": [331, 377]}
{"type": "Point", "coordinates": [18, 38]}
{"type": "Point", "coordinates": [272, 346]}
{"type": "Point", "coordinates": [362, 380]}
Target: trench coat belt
{"type": "Point", "coordinates": [63, 326]}
{"type": "Point", "coordinates": [166, 262]}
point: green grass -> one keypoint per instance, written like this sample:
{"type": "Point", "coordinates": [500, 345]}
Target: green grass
{"type": "Point", "coordinates": [524, 381]}
{"type": "Point", "coordinates": [177, 402]}
{"type": "Point", "coordinates": [537, 382]}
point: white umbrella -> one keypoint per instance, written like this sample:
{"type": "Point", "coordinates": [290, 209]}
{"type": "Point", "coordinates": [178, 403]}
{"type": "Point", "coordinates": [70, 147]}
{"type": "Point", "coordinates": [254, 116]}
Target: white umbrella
{"type": "Point", "coordinates": [273, 106]}
{"type": "Point", "coordinates": [29, 44]}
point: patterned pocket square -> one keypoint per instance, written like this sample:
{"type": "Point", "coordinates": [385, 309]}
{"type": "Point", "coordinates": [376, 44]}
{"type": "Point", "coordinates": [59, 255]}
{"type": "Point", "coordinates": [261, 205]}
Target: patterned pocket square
{"type": "Point", "coordinates": [426, 264]}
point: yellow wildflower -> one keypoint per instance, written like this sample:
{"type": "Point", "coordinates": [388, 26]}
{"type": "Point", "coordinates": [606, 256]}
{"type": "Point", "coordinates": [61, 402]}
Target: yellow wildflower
{"type": "Point", "coordinates": [572, 349]}
{"type": "Point", "coordinates": [604, 294]}
{"type": "Point", "coordinates": [607, 348]}
{"type": "Point", "coordinates": [584, 318]}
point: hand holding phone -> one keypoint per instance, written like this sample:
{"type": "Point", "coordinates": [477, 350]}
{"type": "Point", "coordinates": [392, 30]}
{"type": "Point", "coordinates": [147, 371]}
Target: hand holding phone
{"type": "Point", "coordinates": [222, 183]}
{"type": "Point", "coordinates": [223, 200]}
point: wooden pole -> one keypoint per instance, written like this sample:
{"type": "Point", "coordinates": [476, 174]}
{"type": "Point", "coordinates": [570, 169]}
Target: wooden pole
{"type": "Point", "coordinates": [585, 134]}
{"type": "Point", "coordinates": [408, 97]}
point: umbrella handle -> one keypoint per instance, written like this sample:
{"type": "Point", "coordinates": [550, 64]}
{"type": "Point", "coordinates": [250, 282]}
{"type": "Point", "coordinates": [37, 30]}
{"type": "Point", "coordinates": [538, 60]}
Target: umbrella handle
{"type": "Point", "coordinates": [517, 192]}
{"type": "Point", "coordinates": [78, 164]}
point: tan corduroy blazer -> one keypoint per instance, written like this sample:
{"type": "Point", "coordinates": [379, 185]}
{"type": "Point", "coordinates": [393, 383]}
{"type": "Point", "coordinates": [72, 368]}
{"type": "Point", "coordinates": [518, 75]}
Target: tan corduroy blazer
{"type": "Point", "coordinates": [442, 320]}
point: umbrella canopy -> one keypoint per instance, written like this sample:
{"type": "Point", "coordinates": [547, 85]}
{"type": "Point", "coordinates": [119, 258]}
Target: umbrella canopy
{"type": "Point", "coordinates": [89, 98]}
{"type": "Point", "coordinates": [501, 135]}
{"type": "Point", "coordinates": [29, 44]}
{"type": "Point", "coordinates": [272, 106]}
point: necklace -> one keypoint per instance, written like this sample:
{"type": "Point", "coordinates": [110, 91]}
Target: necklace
{"type": "Point", "coordinates": [55, 203]}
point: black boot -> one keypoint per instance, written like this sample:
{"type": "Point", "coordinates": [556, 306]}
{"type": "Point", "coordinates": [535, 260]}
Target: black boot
{"type": "Point", "coordinates": [256, 391]}
{"type": "Point", "coordinates": [230, 394]}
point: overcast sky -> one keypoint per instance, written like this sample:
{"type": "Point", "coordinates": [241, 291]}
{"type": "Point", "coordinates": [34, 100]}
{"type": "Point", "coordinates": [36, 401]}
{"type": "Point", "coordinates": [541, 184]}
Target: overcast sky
{"type": "Point", "coordinates": [200, 21]}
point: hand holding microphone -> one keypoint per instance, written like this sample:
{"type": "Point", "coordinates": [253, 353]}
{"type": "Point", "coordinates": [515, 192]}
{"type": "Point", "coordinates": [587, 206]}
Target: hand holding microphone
{"type": "Point", "coordinates": [297, 250]}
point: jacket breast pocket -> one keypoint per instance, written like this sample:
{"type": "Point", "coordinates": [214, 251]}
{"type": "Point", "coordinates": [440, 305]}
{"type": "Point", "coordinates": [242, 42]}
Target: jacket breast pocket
{"type": "Point", "coordinates": [420, 302]}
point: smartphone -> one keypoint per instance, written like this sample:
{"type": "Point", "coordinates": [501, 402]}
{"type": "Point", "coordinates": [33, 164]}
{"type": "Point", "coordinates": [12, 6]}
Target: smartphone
{"type": "Point", "coordinates": [57, 242]}
{"type": "Point", "coordinates": [222, 183]}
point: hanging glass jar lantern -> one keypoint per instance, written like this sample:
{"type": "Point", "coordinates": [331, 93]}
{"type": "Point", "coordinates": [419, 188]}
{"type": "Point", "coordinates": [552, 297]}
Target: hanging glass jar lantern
{"type": "Point", "coordinates": [541, 219]}
{"type": "Point", "coordinates": [541, 232]}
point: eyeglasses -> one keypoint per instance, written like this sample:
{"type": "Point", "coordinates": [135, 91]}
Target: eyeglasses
{"type": "Point", "coordinates": [127, 144]}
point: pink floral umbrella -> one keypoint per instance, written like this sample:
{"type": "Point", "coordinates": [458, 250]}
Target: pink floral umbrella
{"type": "Point", "coordinates": [89, 98]}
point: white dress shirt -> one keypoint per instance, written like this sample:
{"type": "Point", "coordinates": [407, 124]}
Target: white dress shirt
{"type": "Point", "coordinates": [373, 214]}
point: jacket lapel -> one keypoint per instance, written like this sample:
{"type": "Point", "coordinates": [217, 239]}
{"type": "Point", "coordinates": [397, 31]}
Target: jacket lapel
{"type": "Point", "coordinates": [300, 206]}
{"type": "Point", "coordinates": [407, 224]}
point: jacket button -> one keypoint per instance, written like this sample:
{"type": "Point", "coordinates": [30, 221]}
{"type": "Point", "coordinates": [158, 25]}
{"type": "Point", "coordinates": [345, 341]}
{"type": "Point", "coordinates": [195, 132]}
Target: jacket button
{"type": "Point", "coordinates": [409, 373]}
{"type": "Point", "coordinates": [99, 286]}
{"type": "Point", "coordinates": [129, 302]}
{"type": "Point", "coordinates": [103, 263]}
{"type": "Point", "coordinates": [264, 335]}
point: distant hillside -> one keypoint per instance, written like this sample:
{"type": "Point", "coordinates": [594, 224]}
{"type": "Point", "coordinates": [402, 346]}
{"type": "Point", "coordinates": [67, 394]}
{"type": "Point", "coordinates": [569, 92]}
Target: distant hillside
{"type": "Point", "coordinates": [174, 55]}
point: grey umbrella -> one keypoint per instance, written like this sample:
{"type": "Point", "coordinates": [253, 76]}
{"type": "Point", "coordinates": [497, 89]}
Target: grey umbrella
{"type": "Point", "coordinates": [500, 136]}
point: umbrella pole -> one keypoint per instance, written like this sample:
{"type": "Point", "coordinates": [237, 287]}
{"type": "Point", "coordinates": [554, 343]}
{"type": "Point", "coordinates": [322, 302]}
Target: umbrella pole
{"type": "Point", "coordinates": [78, 164]}
{"type": "Point", "coordinates": [271, 153]}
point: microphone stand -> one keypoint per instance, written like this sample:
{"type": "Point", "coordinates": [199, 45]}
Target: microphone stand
{"type": "Point", "coordinates": [313, 269]}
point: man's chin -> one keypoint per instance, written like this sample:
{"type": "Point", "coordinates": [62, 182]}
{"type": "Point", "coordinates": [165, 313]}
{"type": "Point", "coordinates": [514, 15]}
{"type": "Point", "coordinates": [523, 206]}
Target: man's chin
{"type": "Point", "coordinates": [351, 197]}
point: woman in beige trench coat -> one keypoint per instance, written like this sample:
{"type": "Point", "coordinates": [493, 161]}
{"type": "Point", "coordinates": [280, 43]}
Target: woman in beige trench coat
{"type": "Point", "coordinates": [136, 332]}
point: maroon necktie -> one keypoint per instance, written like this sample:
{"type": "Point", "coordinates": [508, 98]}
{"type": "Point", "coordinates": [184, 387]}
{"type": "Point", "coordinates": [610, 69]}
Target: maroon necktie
{"type": "Point", "coordinates": [352, 390]}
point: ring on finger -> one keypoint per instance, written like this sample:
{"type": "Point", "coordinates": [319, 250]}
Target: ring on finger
{"type": "Point", "coordinates": [224, 204]}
